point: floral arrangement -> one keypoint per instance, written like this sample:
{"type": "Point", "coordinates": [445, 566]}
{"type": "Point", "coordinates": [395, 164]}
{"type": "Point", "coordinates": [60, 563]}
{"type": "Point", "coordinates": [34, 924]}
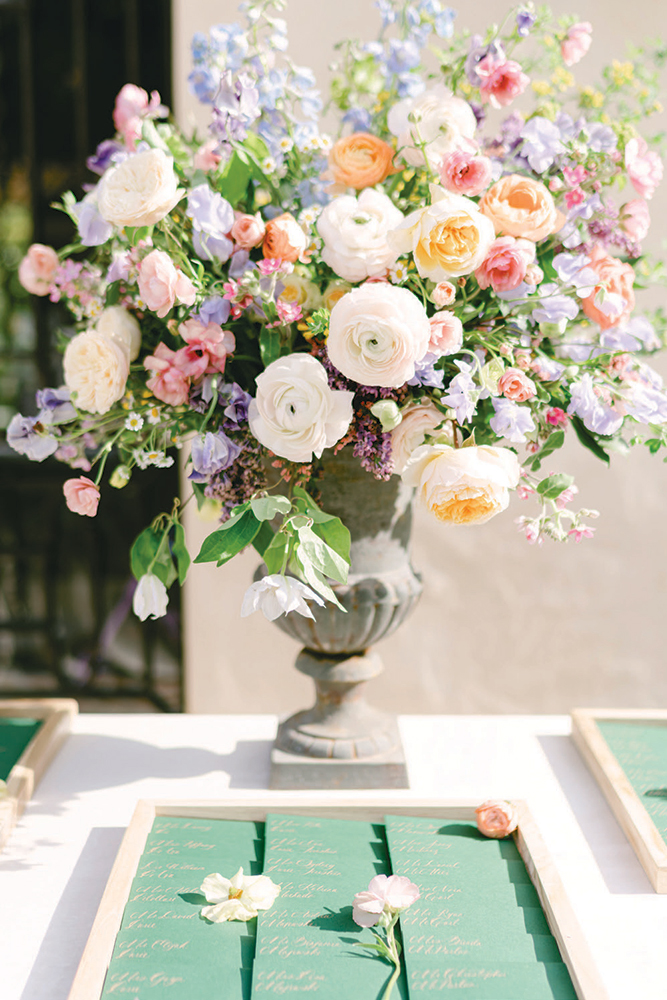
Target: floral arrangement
{"type": "Point", "coordinates": [446, 287]}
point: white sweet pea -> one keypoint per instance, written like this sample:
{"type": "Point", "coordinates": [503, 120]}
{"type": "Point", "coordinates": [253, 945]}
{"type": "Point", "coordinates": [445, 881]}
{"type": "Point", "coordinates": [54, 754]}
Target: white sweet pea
{"type": "Point", "coordinates": [150, 598]}
{"type": "Point", "coordinates": [276, 595]}
{"type": "Point", "coordinates": [295, 414]}
{"type": "Point", "coordinates": [237, 898]}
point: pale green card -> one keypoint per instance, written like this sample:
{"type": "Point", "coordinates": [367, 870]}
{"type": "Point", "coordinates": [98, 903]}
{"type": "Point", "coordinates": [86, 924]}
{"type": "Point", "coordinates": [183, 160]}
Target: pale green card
{"type": "Point", "coordinates": [15, 734]}
{"type": "Point", "coordinates": [641, 750]}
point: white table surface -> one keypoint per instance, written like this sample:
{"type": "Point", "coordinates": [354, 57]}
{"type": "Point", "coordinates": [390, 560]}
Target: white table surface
{"type": "Point", "coordinates": [55, 866]}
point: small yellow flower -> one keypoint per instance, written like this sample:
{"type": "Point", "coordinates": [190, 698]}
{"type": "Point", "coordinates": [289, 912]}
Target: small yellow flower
{"type": "Point", "coordinates": [562, 78]}
{"type": "Point", "coordinates": [549, 41]}
{"type": "Point", "coordinates": [657, 107]}
{"type": "Point", "coordinates": [542, 88]}
{"type": "Point", "coordinates": [465, 88]}
{"type": "Point", "coordinates": [591, 98]}
{"type": "Point", "coordinates": [622, 73]}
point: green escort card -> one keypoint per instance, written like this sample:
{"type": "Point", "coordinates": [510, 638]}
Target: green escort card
{"type": "Point", "coordinates": [15, 734]}
{"type": "Point", "coordinates": [478, 924]}
{"type": "Point", "coordinates": [306, 943]}
{"type": "Point", "coordinates": [641, 750]}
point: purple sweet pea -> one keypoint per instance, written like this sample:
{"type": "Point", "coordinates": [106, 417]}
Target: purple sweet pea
{"type": "Point", "coordinates": [601, 138]}
{"type": "Point", "coordinates": [525, 19]}
{"type": "Point", "coordinates": [212, 218]}
{"type": "Point", "coordinates": [214, 310]}
{"type": "Point", "coordinates": [596, 414]}
{"type": "Point", "coordinates": [541, 143]}
{"type": "Point", "coordinates": [55, 406]}
{"type": "Point", "coordinates": [238, 402]}
{"type": "Point", "coordinates": [93, 229]}
{"type": "Point", "coordinates": [511, 421]}
{"type": "Point", "coordinates": [29, 436]}
{"type": "Point", "coordinates": [554, 308]}
{"type": "Point", "coordinates": [103, 156]}
{"type": "Point", "coordinates": [462, 396]}
{"type": "Point", "coordinates": [477, 52]}
{"type": "Point", "coordinates": [211, 453]}
{"type": "Point", "coordinates": [426, 373]}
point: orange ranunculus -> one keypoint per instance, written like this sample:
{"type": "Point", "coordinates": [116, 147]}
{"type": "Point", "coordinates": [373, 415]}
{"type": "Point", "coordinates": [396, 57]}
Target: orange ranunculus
{"type": "Point", "coordinates": [616, 278]}
{"type": "Point", "coordinates": [520, 206]}
{"type": "Point", "coordinates": [361, 160]}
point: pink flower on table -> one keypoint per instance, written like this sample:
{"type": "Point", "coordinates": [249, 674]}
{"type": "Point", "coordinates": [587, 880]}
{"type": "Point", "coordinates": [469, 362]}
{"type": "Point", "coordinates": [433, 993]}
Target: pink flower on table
{"type": "Point", "coordinates": [82, 496]}
{"type": "Point", "coordinates": [556, 417]}
{"type": "Point", "coordinates": [38, 269]}
{"type": "Point", "coordinates": [206, 157]}
{"type": "Point", "coordinates": [635, 219]}
{"type": "Point", "coordinates": [496, 818]}
{"type": "Point", "coordinates": [501, 81]}
{"type": "Point", "coordinates": [446, 333]}
{"type": "Point", "coordinates": [207, 350]}
{"type": "Point", "coordinates": [161, 284]}
{"type": "Point", "coordinates": [464, 172]}
{"type": "Point", "coordinates": [132, 105]}
{"type": "Point", "coordinates": [169, 383]}
{"type": "Point", "coordinates": [576, 43]}
{"type": "Point", "coordinates": [444, 294]}
{"type": "Point", "coordinates": [643, 166]}
{"type": "Point", "coordinates": [515, 385]}
{"type": "Point", "coordinates": [385, 894]}
{"type": "Point", "coordinates": [505, 265]}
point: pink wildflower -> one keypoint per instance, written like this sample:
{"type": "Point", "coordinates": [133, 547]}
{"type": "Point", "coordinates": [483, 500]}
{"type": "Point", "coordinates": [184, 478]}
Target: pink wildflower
{"type": "Point", "coordinates": [575, 175]}
{"type": "Point", "coordinates": [132, 106]}
{"type": "Point", "coordinates": [582, 532]}
{"type": "Point", "coordinates": [556, 417]}
{"type": "Point", "coordinates": [501, 81]}
{"type": "Point", "coordinates": [289, 312]}
{"type": "Point", "coordinates": [566, 497]}
{"type": "Point", "coordinates": [270, 265]}
{"type": "Point", "coordinates": [574, 197]}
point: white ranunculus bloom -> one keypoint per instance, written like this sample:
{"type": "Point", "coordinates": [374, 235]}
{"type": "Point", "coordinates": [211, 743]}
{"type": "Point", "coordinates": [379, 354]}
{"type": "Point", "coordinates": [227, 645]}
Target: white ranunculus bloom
{"type": "Point", "coordinates": [436, 117]}
{"type": "Point", "coordinates": [463, 485]}
{"type": "Point", "coordinates": [376, 334]}
{"type": "Point", "coordinates": [150, 598]}
{"type": "Point", "coordinates": [355, 231]}
{"type": "Point", "coordinates": [277, 595]}
{"type": "Point", "coordinates": [122, 327]}
{"type": "Point", "coordinates": [239, 897]}
{"type": "Point", "coordinates": [96, 369]}
{"type": "Point", "coordinates": [295, 414]}
{"type": "Point", "coordinates": [139, 191]}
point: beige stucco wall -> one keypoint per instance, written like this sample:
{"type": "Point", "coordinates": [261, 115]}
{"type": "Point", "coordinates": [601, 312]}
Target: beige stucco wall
{"type": "Point", "coordinates": [502, 626]}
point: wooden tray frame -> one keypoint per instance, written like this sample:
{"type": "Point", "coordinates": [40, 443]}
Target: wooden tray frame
{"type": "Point", "coordinates": [89, 980]}
{"type": "Point", "coordinates": [626, 805]}
{"type": "Point", "coordinates": [57, 715]}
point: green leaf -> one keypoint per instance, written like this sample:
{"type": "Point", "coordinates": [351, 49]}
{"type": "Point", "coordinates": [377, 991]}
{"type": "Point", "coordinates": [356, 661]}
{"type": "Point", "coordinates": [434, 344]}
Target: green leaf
{"type": "Point", "coordinates": [144, 556]}
{"type": "Point", "coordinates": [180, 552]}
{"type": "Point", "coordinates": [234, 179]}
{"type": "Point", "coordinates": [553, 486]}
{"type": "Point", "coordinates": [138, 233]}
{"type": "Point", "coordinates": [263, 538]}
{"type": "Point", "coordinates": [314, 578]}
{"type": "Point", "coordinates": [588, 441]}
{"type": "Point", "coordinates": [329, 527]}
{"type": "Point", "coordinates": [653, 445]}
{"type": "Point", "coordinates": [325, 559]}
{"type": "Point", "coordinates": [274, 554]}
{"type": "Point", "coordinates": [266, 508]}
{"type": "Point", "coordinates": [222, 545]}
{"type": "Point", "coordinates": [552, 444]}
{"type": "Point", "coordinates": [113, 294]}
{"type": "Point", "coordinates": [269, 345]}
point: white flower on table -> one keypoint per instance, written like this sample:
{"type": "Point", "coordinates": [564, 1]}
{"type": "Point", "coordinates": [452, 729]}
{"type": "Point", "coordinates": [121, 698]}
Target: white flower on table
{"type": "Point", "coordinates": [239, 897]}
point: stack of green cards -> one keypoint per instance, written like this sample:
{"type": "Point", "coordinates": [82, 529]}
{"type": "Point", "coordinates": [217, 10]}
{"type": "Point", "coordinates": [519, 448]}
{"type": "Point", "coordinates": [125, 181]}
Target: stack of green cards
{"type": "Point", "coordinates": [641, 750]}
{"type": "Point", "coordinates": [15, 734]}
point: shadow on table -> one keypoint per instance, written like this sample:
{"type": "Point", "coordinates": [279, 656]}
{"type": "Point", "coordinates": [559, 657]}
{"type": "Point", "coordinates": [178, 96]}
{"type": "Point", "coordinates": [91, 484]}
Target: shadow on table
{"type": "Point", "coordinates": [596, 820]}
{"type": "Point", "coordinates": [65, 939]}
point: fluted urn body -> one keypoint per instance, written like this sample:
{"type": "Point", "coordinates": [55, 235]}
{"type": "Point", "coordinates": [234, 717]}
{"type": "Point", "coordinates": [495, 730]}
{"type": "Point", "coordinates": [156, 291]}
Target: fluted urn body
{"type": "Point", "coordinates": [354, 744]}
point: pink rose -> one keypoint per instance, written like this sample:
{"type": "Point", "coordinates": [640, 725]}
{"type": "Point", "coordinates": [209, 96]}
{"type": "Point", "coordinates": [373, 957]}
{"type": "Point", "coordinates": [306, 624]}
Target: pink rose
{"type": "Point", "coordinates": [443, 294]}
{"type": "Point", "coordinates": [169, 383]}
{"type": "Point", "coordinates": [496, 819]}
{"type": "Point", "coordinates": [635, 219]}
{"type": "Point", "coordinates": [513, 384]}
{"type": "Point", "coordinates": [643, 166]}
{"type": "Point", "coordinates": [207, 350]}
{"type": "Point", "coordinates": [132, 105]}
{"type": "Point", "coordinates": [446, 333]}
{"type": "Point", "coordinates": [248, 230]}
{"type": "Point", "coordinates": [465, 173]}
{"type": "Point", "coordinates": [161, 284]}
{"type": "Point", "coordinates": [576, 43]}
{"type": "Point", "coordinates": [506, 263]}
{"type": "Point", "coordinates": [82, 496]}
{"type": "Point", "coordinates": [501, 81]}
{"type": "Point", "coordinates": [616, 280]}
{"type": "Point", "coordinates": [38, 268]}
{"type": "Point", "coordinates": [284, 239]}
{"type": "Point", "coordinates": [206, 157]}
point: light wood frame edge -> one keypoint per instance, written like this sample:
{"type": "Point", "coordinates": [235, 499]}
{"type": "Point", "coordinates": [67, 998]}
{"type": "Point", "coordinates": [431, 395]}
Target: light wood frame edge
{"type": "Point", "coordinates": [626, 805]}
{"type": "Point", "coordinates": [27, 772]}
{"type": "Point", "coordinates": [89, 979]}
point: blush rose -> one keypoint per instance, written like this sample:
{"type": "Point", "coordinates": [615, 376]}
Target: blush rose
{"type": "Point", "coordinates": [497, 819]}
{"type": "Point", "coordinates": [96, 369]}
{"type": "Point", "coordinates": [82, 496]}
{"type": "Point", "coordinates": [38, 268]}
{"type": "Point", "coordinates": [139, 191]}
{"type": "Point", "coordinates": [521, 206]}
{"type": "Point", "coordinates": [161, 284]}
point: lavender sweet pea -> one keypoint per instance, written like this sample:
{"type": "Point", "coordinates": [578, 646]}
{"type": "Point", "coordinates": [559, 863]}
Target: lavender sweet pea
{"type": "Point", "coordinates": [211, 453]}
{"type": "Point", "coordinates": [55, 406]}
{"type": "Point", "coordinates": [29, 436]}
{"type": "Point", "coordinates": [212, 218]}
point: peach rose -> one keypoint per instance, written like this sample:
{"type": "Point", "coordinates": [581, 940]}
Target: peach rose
{"type": "Point", "coordinates": [644, 167]}
{"type": "Point", "coordinates": [635, 219]}
{"type": "Point", "coordinates": [521, 206]}
{"type": "Point", "coordinates": [248, 230]}
{"type": "Point", "coordinates": [501, 81]}
{"type": "Point", "coordinates": [446, 333]}
{"type": "Point", "coordinates": [496, 819]}
{"type": "Point", "coordinates": [417, 421]}
{"type": "Point", "coordinates": [38, 268]}
{"type": "Point", "coordinates": [576, 43]}
{"type": "Point", "coordinates": [463, 485]}
{"type": "Point", "coordinates": [506, 263]}
{"type": "Point", "coordinates": [515, 385]}
{"type": "Point", "coordinates": [360, 160]}
{"type": "Point", "coordinates": [443, 294]}
{"type": "Point", "coordinates": [284, 239]}
{"type": "Point", "coordinates": [82, 496]}
{"type": "Point", "coordinates": [463, 172]}
{"type": "Point", "coordinates": [616, 281]}
{"type": "Point", "coordinates": [334, 291]}
{"type": "Point", "coordinates": [448, 238]}
{"type": "Point", "coordinates": [96, 369]}
{"type": "Point", "coordinates": [161, 284]}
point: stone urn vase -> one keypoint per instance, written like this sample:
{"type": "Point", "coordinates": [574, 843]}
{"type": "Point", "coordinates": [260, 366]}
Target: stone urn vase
{"type": "Point", "coordinates": [342, 741]}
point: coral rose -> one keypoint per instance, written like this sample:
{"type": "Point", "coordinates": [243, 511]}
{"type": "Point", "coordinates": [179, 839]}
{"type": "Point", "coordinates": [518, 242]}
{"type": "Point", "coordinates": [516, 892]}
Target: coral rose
{"type": "Point", "coordinates": [38, 268]}
{"type": "Point", "coordinates": [438, 119]}
{"type": "Point", "coordinates": [121, 326]}
{"type": "Point", "coordinates": [613, 299]}
{"type": "Point", "coordinates": [446, 333]}
{"type": "Point", "coordinates": [360, 160]}
{"type": "Point", "coordinates": [644, 167]}
{"type": "Point", "coordinates": [448, 238]}
{"type": "Point", "coordinates": [576, 43]}
{"type": "Point", "coordinates": [82, 496]}
{"type": "Point", "coordinates": [139, 191]}
{"type": "Point", "coordinates": [356, 234]}
{"type": "Point", "coordinates": [521, 206]}
{"type": "Point", "coordinates": [506, 263]}
{"type": "Point", "coordinates": [501, 81]}
{"type": "Point", "coordinates": [635, 219]}
{"type": "Point", "coordinates": [444, 294]}
{"type": "Point", "coordinates": [376, 334]}
{"type": "Point", "coordinates": [96, 369]}
{"type": "Point", "coordinates": [463, 172]}
{"type": "Point", "coordinates": [248, 230]}
{"type": "Point", "coordinates": [463, 485]}
{"type": "Point", "coordinates": [515, 384]}
{"type": "Point", "coordinates": [496, 819]}
{"type": "Point", "coordinates": [417, 421]}
{"type": "Point", "coordinates": [284, 239]}
{"type": "Point", "coordinates": [161, 284]}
